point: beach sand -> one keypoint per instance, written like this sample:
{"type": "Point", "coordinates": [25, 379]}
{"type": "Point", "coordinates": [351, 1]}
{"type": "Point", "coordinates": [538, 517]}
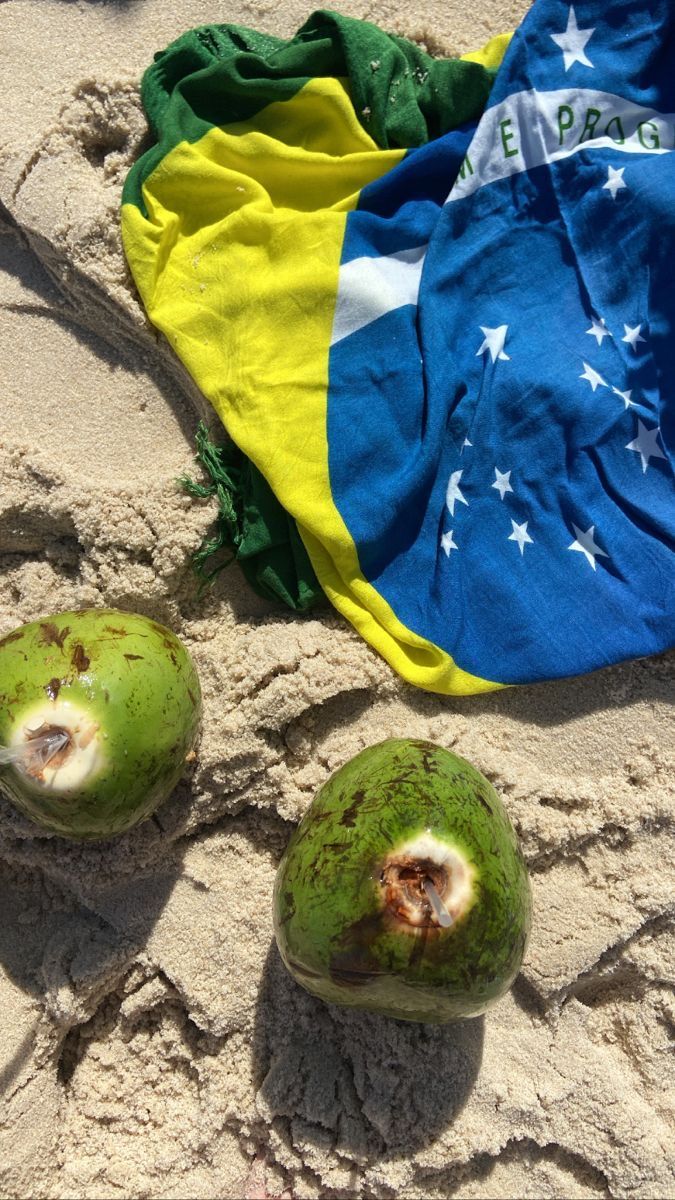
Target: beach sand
{"type": "Point", "coordinates": [151, 1042]}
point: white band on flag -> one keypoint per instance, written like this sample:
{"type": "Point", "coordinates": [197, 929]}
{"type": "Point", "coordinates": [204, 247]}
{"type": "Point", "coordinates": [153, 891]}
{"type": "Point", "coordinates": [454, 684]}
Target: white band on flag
{"type": "Point", "coordinates": [370, 287]}
{"type": "Point", "coordinates": [531, 128]}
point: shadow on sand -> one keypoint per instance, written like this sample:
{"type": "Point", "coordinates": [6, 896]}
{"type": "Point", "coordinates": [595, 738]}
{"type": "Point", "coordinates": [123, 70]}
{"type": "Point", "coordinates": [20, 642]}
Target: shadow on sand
{"type": "Point", "coordinates": [76, 914]}
{"type": "Point", "coordinates": [356, 1081]}
{"type": "Point", "coordinates": [559, 701]}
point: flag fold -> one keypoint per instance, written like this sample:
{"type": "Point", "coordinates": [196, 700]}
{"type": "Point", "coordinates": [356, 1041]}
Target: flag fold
{"type": "Point", "coordinates": [433, 308]}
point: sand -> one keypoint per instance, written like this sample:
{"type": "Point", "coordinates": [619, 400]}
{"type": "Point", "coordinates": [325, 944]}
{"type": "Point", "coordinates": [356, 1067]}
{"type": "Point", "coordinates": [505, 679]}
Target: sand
{"type": "Point", "coordinates": [151, 1042]}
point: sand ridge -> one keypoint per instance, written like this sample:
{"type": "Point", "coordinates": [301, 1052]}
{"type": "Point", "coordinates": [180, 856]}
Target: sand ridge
{"type": "Point", "coordinates": [152, 1044]}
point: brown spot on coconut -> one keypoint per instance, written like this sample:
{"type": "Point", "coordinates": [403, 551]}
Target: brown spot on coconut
{"type": "Point", "coordinates": [79, 658]}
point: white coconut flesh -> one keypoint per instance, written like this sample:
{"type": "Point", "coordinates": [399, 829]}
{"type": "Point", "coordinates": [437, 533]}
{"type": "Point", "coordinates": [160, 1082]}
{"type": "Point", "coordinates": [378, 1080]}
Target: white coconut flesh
{"type": "Point", "coordinates": [57, 745]}
{"type": "Point", "coordinates": [427, 883]}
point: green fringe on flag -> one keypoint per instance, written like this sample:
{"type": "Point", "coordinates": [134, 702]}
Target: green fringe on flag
{"type": "Point", "coordinates": [251, 528]}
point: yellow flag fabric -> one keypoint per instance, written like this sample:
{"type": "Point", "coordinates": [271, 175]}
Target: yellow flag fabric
{"type": "Point", "coordinates": [235, 231]}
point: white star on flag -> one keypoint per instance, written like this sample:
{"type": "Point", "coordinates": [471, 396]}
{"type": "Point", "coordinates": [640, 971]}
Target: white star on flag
{"type": "Point", "coordinates": [633, 336]}
{"type": "Point", "coordinates": [586, 544]}
{"type": "Point", "coordinates": [501, 482]}
{"type": "Point", "coordinates": [615, 181]}
{"type": "Point", "coordinates": [645, 444]}
{"type": "Point", "coordinates": [494, 342]}
{"type": "Point", "coordinates": [573, 41]}
{"type": "Point", "coordinates": [593, 377]}
{"type": "Point", "coordinates": [466, 442]}
{"type": "Point", "coordinates": [447, 543]}
{"type": "Point", "coordinates": [625, 396]}
{"type": "Point", "coordinates": [519, 535]}
{"type": "Point", "coordinates": [453, 493]}
{"type": "Point", "coordinates": [599, 330]}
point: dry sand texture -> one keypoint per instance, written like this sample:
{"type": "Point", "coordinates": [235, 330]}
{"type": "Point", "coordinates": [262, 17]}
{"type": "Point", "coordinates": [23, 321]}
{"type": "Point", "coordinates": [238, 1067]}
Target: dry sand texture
{"type": "Point", "coordinates": [151, 1045]}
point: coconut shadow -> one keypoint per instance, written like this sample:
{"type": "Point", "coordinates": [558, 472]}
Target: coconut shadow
{"type": "Point", "coordinates": [76, 915]}
{"type": "Point", "coordinates": [361, 1084]}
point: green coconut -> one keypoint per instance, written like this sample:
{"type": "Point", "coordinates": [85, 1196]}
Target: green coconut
{"type": "Point", "coordinates": [99, 713]}
{"type": "Point", "coordinates": [403, 889]}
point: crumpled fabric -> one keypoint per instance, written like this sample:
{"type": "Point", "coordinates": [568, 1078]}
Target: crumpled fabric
{"type": "Point", "coordinates": [450, 358]}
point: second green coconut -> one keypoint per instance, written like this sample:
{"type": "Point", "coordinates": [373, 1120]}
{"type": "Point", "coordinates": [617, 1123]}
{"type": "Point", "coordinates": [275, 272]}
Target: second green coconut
{"type": "Point", "coordinates": [99, 713]}
{"type": "Point", "coordinates": [404, 890]}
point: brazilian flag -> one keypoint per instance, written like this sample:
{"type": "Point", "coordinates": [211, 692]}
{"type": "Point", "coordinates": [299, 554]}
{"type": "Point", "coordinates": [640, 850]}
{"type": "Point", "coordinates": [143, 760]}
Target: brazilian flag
{"type": "Point", "coordinates": [395, 279]}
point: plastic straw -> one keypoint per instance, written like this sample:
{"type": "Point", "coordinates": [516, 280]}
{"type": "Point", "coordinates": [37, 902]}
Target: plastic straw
{"type": "Point", "coordinates": [442, 915]}
{"type": "Point", "coordinates": [36, 751]}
